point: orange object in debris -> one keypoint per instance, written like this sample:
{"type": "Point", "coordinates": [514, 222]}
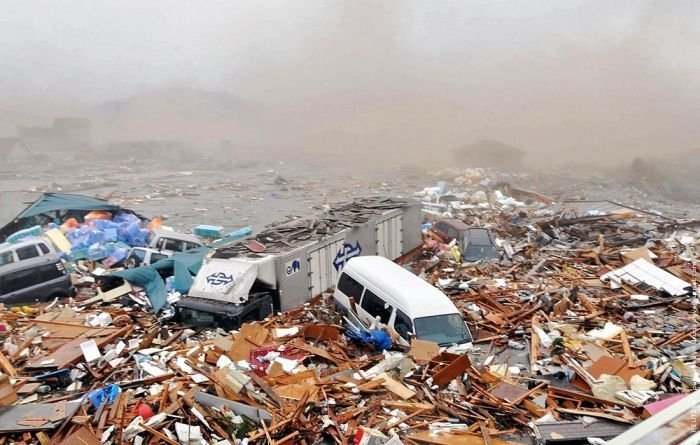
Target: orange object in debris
{"type": "Point", "coordinates": [98, 214]}
{"type": "Point", "coordinates": [144, 410]}
{"type": "Point", "coordinates": [156, 223]}
{"type": "Point", "coordinates": [69, 224]}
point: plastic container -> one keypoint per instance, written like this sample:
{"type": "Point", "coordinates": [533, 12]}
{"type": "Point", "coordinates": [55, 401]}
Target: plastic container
{"type": "Point", "coordinates": [96, 252]}
{"type": "Point", "coordinates": [133, 235]}
{"type": "Point", "coordinates": [98, 214]}
{"type": "Point", "coordinates": [24, 234]}
{"type": "Point", "coordinates": [59, 240]}
{"type": "Point", "coordinates": [126, 218]}
{"type": "Point", "coordinates": [240, 233]}
{"type": "Point", "coordinates": [156, 223]}
{"type": "Point", "coordinates": [101, 224]}
{"type": "Point", "coordinates": [259, 366]}
{"type": "Point", "coordinates": [70, 224]}
{"type": "Point", "coordinates": [206, 231]}
{"type": "Point", "coordinates": [111, 235]}
{"type": "Point", "coordinates": [79, 254]}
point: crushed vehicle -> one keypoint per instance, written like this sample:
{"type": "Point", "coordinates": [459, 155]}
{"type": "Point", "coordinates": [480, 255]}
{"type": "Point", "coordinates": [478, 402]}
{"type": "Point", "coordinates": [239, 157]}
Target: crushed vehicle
{"type": "Point", "coordinates": [35, 279]}
{"type": "Point", "coordinates": [144, 256]}
{"type": "Point", "coordinates": [475, 243]}
{"type": "Point", "coordinates": [171, 241]}
{"type": "Point", "coordinates": [161, 244]}
{"type": "Point", "coordinates": [385, 294]}
{"type": "Point", "coordinates": [479, 245]}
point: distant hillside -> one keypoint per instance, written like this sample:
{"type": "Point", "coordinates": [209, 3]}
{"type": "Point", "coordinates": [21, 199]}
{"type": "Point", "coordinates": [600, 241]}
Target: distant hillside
{"type": "Point", "coordinates": [176, 101]}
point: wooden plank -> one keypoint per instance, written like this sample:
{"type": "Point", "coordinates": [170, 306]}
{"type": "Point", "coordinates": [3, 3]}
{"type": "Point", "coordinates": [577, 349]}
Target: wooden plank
{"type": "Point", "coordinates": [407, 405]}
{"type": "Point", "coordinates": [158, 434]}
{"type": "Point", "coordinates": [396, 387]}
{"type": "Point", "coordinates": [626, 348]}
{"type": "Point", "coordinates": [452, 371]}
{"type": "Point", "coordinates": [7, 366]}
{"type": "Point", "coordinates": [485, 433]}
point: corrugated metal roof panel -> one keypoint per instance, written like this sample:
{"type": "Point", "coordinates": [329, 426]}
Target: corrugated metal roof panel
{"type": "Point", "coordinates": [642, 271]}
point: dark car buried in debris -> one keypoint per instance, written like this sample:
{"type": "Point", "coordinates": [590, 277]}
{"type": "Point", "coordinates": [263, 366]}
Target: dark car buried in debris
{"type": "Point", "coordinates": [475, 243]}
{"type": "Point", "coordinates": [36, 279]}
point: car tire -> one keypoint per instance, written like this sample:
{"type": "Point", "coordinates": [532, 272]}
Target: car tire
{"type": "Point", "coordinates": [132, 263]}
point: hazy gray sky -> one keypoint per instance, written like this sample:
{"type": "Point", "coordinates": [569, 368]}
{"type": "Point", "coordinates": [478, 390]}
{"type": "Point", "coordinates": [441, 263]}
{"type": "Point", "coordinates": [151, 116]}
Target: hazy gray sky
{"type": "Point", "coordinates": [575, 75]}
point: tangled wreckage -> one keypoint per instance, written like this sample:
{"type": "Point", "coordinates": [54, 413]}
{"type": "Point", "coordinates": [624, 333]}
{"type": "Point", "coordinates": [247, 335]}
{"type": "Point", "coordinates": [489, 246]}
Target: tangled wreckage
{"type": "Point", "coordinates": [583, 325]}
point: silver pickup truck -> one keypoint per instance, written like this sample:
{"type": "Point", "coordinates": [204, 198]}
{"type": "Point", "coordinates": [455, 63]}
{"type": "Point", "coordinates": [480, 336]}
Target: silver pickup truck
{"type": "Point", "coordinates": [161, 244]}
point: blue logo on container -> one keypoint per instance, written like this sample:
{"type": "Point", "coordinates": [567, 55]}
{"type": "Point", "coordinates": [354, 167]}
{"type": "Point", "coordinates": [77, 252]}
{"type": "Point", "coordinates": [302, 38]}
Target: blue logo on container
{"type": "Point", "coordinates": [219, 279]}
{"type": "Point", "coordinates": [294, 266]}
{"type": "Point", "coordinates": [345, 253]}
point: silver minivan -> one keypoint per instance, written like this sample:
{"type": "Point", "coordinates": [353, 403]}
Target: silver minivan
{"type": "Point", "coordinates": [36, 279]}
{"type": "Point", "coordinates": [12, 253]}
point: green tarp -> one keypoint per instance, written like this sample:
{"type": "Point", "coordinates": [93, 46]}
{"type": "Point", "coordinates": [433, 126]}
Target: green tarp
{"type": "Point", "coordinates": [184, 264]}
{"type": "Point", "coordinates": [148, 278]}
{"type": "Point", "coordinates": [44, 210]}
{"type": "Point", "coordinates": [51, 202]}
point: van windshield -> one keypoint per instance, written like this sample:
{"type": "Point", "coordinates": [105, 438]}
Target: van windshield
{"type": "Point", "coordinates": [443, 329]}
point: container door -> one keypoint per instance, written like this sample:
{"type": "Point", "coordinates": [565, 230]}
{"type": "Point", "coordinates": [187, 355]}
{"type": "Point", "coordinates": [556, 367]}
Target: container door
{"type": "Point", "coordinates": [390, 238]}
{"type": "Point", "coordinates": [315, 269]}
{"type": "Point", "coordinates": [322, 271]}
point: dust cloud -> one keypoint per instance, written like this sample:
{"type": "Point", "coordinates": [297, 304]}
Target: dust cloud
{"type": "Point", "coordinates": [394, 82]}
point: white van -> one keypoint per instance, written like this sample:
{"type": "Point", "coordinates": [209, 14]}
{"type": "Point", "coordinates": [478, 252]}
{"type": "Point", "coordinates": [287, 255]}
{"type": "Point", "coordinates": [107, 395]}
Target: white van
{"type": "Point", "coordinates": [411, 306]}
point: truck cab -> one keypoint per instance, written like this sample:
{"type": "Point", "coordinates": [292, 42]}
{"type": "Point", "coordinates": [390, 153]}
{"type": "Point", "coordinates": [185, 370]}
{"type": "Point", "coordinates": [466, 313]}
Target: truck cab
{"type": "Point", "coordinates": [161, 244]}
{"type": "Point", "coordinates": [170, 241]}
{"type": "Point", "coordinates": [228, 292]}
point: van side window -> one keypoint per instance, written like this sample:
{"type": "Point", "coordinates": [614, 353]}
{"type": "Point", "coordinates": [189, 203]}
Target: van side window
{"type": "Point", "coordinates": [173, 244]}
{"type": "Point", "coordinates": [18, 280]}
{"type": "Point", "coordinates": [6, 258]}
{"type": "Point", "coordinates": [350, 287]}
{"type": "Point", "coordinates": [157, 257]}
{"type": "Point", "coordinates": [375, 306]}
{"type": "Point", "coordinates": [402, 324]}
{"type": "Point", "coordinates": [24, 253]}
{"type": "Point", "coordinates": [189, 246]}
{"type": "Point", "coordinates": [49, 272]}
{"type": "Point", "coordinates": [44, 248]}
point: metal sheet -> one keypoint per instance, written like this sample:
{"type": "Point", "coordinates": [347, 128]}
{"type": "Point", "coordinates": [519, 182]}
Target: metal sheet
{"type": "Point", "coordinates": [390, 237]}
{"type": "Point", "coordinates": [293, 272]}
{"type": "Point", "coordinates": [642, 271]}
{"type": "Point", "coordinates": [212, 401]}
{"type": "Point", "coordinates": [9, 415]}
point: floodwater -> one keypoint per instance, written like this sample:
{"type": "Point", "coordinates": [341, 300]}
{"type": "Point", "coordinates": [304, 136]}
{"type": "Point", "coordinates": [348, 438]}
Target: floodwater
{"type": "Point", "coordinates": [200, 191]}
{"type": "Point", "coordinates": [234, 193]}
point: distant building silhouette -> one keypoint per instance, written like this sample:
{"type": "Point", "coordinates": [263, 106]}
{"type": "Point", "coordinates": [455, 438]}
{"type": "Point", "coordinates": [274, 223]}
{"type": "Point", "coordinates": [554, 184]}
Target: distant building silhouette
{"type": "Point", "coordinates": [489, 153]}
{"type": "Point", "coordinates": [65, 134]}
{"type": "Point", "coordinates": [12, 149]}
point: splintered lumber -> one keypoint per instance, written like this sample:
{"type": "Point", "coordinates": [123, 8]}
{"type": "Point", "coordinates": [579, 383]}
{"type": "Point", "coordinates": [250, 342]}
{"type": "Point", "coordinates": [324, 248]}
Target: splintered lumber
{"type": "Point", "coordinates": [452, 371]}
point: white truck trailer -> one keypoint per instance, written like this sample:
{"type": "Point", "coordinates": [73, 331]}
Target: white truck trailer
{"type": "Point", "coordinates": [287, 264]}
